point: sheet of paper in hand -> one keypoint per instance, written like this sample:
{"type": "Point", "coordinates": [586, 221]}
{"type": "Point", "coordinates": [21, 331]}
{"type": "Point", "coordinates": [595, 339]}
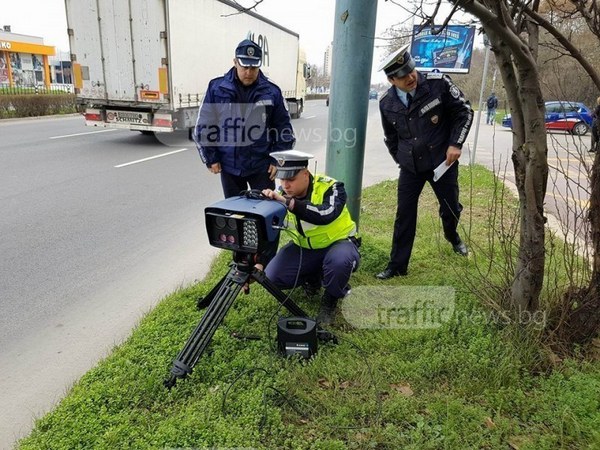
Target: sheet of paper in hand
{"type": "Point", "coordinates": [441, 170]}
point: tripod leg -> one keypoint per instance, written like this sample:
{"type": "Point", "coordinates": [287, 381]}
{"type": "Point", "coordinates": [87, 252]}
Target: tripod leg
{"type": "Point", "coordinates": [203, 302]}
{"type": "Point", "coordinates": [278, 294]}
{"type": "Point", "coordinates": [229, 289]}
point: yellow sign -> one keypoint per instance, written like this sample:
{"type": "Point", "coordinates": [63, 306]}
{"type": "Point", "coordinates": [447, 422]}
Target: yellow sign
{"type": "Point", "coordinates": [26, 47]}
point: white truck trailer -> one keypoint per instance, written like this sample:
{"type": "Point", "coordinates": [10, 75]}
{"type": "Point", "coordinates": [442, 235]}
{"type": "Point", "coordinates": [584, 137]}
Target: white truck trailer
{"type": "Point", "coordinates": [145, 64]}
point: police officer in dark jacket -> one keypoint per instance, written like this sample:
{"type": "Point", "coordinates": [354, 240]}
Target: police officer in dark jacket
{"type": "Point", "coordinates": [426, 120]}
{"type": "Point", "coordinates": [243, 118]}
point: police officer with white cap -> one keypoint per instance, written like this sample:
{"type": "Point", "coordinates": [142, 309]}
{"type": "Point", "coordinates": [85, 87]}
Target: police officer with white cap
{"type": "Point", "coordinates": [243, 118]}
{"type": "Point", "coordinates": [426, 120]}
{"type": "Point", "coordinates": [324, 245]}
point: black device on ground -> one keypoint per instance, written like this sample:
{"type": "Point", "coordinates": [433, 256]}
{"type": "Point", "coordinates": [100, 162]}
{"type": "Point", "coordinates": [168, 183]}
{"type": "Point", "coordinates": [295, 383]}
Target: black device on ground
{"type": "Point", "coordinates": [297, 336]}
{"type": "Point", "coordinates": [249, 225]}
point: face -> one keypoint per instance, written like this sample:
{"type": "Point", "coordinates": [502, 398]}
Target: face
{"type": "Point", "coordinates": [247, 75]}
{"type": "Point", "coordinates": [406, 83]}
{"type": "Point", "coordinates": [298, 185]}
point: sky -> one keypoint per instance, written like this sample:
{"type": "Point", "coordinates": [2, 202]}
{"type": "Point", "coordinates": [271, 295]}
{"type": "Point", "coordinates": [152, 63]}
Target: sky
{"type": "Point", "coordinates": [311, 19]}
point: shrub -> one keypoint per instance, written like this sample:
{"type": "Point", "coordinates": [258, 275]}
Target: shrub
{"type": "Point", "coordinates": [28, 105]}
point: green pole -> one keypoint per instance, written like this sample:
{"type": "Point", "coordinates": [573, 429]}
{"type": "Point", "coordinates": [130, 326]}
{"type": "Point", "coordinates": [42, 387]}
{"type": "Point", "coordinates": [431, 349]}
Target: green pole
{"type": "Point", "coordinates": [353, 39]}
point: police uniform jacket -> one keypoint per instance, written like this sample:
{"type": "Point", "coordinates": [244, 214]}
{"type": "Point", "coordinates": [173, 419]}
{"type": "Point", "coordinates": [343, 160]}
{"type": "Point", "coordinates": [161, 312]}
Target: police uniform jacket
{"type": "Point", "coordinates": [417, 137]}
{"type": "Point", "coordinates": [239, 126]}
{"type": "Point", "coordinates": [321, 218]}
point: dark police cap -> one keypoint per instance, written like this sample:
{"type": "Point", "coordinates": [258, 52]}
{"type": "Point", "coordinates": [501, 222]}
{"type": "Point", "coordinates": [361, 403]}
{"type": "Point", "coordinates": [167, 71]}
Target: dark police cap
{"type": "Point", "coordinates": [399, 63]}
{"type": "Point", "coordinates": [248, 54]}
{"type": "Point", "coordinates": [290, 162]}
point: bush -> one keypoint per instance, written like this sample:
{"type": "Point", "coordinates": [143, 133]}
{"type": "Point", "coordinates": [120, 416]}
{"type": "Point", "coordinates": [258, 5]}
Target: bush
{"type": "Point", "coordinates": [28, 105]}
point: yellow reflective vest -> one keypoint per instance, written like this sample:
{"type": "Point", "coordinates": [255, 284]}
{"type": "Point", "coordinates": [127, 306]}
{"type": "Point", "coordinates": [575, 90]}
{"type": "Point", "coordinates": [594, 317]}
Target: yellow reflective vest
{"type": "Point", "coordinates": [308, 235]}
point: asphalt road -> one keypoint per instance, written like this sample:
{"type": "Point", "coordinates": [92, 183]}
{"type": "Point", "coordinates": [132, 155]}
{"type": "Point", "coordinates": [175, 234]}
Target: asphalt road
{"type": "Point", "coordinates": [93, 234]}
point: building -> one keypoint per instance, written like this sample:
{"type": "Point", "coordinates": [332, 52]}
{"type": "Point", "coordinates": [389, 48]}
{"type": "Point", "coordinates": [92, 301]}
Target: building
{"type": "Point", "coordinates": [327, 60]}
{"type": "Point", "coordinates": [24, 60]}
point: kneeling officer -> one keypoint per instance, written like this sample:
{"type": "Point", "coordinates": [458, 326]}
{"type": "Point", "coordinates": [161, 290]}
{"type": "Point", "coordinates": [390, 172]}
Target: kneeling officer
{"type": "Point", "coordinates": [324, 247]}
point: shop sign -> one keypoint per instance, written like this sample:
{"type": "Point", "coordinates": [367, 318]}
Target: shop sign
{"type": "Point", "coordinates": [4, 45]}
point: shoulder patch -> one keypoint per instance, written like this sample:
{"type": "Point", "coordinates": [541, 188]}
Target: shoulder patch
{"type": "Point", "coordinates": [434, 75]}
{"type": "Point", "coordinates": [454, 91]}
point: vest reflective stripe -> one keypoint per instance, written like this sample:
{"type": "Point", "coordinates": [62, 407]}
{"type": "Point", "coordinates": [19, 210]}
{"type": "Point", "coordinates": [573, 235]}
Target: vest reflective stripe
{"type": "Point", "coordinates": [320, 236]}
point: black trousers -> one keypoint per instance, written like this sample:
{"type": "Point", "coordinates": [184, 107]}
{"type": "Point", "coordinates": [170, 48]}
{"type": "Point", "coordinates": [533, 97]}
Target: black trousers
{"type": "Point", "coordinates": [595, 133]}
{"type": "Point", "coordinates": [410, 186]}
{"type": "Point", "coordinates": [234, 184]}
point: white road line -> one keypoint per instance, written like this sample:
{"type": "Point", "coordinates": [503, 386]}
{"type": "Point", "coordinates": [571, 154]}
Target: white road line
{"type": "Point", "coordinates": [309, 117]}
{"type": "Point", "coordinates": [81, 134]}
{"type": "Point", "coordinates": [151, 157]}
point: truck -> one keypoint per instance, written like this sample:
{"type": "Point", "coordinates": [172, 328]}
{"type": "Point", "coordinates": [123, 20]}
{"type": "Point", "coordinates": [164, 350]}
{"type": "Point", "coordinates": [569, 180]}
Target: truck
{"type": "Point", "coordinates": [145, 65]}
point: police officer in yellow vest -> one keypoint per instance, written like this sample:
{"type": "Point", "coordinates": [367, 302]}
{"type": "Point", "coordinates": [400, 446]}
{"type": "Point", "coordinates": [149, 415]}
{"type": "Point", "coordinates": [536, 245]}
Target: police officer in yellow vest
{"type": "Point", "coordinates": [324, 247]}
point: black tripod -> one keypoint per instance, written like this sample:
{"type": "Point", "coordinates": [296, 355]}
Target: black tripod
{"type": "Point", "coordinates": [218, 301]}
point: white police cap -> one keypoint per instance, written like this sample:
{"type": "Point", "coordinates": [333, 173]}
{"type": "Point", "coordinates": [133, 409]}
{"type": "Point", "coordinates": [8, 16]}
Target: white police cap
{"type": "Point", "coordinates": [399, 63]}
{"type": "Point", "coordinates": [290, 162]}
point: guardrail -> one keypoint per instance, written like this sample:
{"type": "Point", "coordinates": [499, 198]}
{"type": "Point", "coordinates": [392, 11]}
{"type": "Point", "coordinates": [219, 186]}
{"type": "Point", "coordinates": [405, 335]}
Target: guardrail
{"type": "Point", "coordinates": [37, 89]}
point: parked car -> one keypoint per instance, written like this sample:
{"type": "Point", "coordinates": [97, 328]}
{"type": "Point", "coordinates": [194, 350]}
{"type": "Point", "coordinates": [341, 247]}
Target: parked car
{"type": "Point", "coordinates": [372, 94]}
{"type": "Point", "coordinates": [574, 117]}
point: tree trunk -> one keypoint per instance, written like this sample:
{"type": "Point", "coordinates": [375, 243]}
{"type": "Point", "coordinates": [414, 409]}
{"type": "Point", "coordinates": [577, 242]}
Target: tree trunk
{"type": "Point", "coordinates": [531, 171]}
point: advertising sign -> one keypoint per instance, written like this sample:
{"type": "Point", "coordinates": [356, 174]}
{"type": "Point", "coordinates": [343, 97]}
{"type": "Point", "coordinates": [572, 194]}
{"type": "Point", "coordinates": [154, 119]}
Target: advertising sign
{"type": "Point", "coordinates": [449, 51]}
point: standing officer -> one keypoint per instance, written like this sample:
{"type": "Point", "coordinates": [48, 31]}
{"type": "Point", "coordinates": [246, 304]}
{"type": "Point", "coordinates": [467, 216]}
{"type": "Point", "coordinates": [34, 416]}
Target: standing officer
{"type": "Point", "coordinates": [426, 120]}
{"type": "Point", "coordinates": [242, 119]}
{"type": "Point", "coordinates": [324, 246]}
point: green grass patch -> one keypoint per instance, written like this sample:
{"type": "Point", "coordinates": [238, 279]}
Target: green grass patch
{"type": "Point", "coordinates": [466, 384]}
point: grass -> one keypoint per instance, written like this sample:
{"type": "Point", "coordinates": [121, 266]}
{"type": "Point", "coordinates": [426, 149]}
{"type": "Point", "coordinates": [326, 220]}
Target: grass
{"type": "Point", "coordinates": [466, 384]}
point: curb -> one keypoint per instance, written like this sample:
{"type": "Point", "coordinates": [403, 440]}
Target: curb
{"type": "Point", "coordinates": [53, 116]}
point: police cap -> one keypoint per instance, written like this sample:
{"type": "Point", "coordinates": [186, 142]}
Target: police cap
{"type": "Point", "coordinates": [248, 54]}
{"type": "Point", "coordinates": [290, 163]}
{"type": "Point", "coordinates": [400, 63]}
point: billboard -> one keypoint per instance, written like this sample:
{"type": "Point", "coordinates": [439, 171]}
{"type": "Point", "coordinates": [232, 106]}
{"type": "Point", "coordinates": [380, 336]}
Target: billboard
{"type": "Point", "coordinates": [450, 51]}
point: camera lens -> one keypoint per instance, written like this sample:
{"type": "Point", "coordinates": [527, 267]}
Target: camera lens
{"type": "Point", "coordinates": [219, 222]}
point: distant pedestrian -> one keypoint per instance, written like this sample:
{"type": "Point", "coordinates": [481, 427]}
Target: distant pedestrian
{"type": "Point", "coordinates": [492, 105]}
{"type": "Point", "coordinates": [595, 126]}
{"type": "Point", "coordinates": [243, 118]}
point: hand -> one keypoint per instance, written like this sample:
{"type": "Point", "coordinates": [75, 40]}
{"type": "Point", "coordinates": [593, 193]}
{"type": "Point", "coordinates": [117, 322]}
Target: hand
{"type": "Point", "coordinates": [272, 171]}
{"type": "Point", "coordinates": [215, 168]}
{"type": "Point", "coordinates": [273, 195]}
{"type": "Point", "coordinates": [452, 154]}
{"type": "Point", "coordinates": [246, 286]}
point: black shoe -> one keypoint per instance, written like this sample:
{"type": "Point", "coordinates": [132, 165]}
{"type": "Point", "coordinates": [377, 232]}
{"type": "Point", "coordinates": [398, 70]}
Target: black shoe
{"type": "Point", "coordinates": [327, 312]}
{"type": "Point", "coordinates": [326, 315]}
{"type": "Point", "coordinates": [460, 248]}
{"type": "Point", "coordinates": [390, 273]}
{"type": "Point", "coordinates": [311, 289]}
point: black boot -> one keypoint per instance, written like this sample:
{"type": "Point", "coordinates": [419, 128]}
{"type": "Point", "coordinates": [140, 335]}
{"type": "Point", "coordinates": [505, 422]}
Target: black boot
{"type": "Point", "coordinates": [327, 312]}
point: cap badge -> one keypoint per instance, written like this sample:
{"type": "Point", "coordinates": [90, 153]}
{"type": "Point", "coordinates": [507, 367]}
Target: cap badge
{"type": "Point", "coordinates": [281, 161]}
{"type": "Point", "coordinates": [250, 51]}
{"type": "Point", "coordinates": [400, 59]}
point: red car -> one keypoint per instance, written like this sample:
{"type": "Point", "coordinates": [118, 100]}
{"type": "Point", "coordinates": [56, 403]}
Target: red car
{"type": "Point", "coordinates": [573, 117]}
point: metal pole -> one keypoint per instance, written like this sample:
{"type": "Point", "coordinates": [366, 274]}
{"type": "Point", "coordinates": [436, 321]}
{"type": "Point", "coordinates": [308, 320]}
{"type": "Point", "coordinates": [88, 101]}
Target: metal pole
{"type": "Point", "coordinates": [353, 38]}
{"type": "Point", "coordinates": [483, 79]}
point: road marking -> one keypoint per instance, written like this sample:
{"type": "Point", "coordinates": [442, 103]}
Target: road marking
{"type": "Point", "coordinates": [583, 203]}
{"type": "Point", "coordinates": [151, 157]}
{"type": "Point", "coordinates": [81, 134]}
{"type": "Point", "coordinates": [309, 117]}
